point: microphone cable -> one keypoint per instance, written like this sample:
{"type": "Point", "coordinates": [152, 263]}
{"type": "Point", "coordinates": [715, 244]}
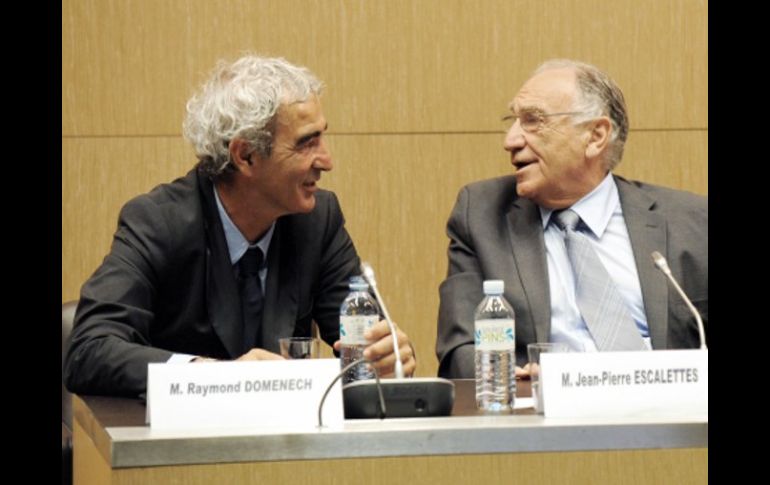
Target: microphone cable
{"type": "Point", "coordinates": [342, 373]}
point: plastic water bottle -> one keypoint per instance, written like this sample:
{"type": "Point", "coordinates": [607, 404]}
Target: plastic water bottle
{"type": "Point", "coordinates": [358, 312]}
{"type": "Point", "coordinates": [495, 337]}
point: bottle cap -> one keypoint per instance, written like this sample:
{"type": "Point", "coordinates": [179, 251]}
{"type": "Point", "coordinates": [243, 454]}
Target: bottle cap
{"type": "Point", "coordinates": [358, 283]}
{"type": "Point", "coordinates": [493, 287]}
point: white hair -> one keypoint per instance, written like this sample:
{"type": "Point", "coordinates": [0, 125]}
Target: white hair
{"type": "Point", "coordinates": [240, 100]}
{"type": "Point", "coordinates": [599, 95]}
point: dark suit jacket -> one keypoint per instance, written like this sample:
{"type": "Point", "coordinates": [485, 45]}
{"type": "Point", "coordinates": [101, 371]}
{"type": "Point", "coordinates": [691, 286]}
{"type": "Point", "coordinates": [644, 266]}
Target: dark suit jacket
{"type": "Point", "coordinates": [167, 286]}
{"type": "Point", "coordinates": [495, 234]}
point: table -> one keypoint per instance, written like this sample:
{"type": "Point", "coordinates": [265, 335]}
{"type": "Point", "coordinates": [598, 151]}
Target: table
{"type": "Point", "coordinates": [112, 445]}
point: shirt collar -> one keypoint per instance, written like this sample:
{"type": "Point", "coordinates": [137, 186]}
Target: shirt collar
{"type": "Point", "coordinates": [595, 209]}
{"type": "Point", "coordinates": [237, 244]}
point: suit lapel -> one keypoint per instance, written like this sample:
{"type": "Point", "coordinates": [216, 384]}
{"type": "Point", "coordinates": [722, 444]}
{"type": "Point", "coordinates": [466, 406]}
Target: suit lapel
{"type": "Point", "coordinates": [526, 235]}
{"type": "Point", "coordinates": [647, 231]}
{"type": "Point", "coordinates": [222, 296]}
{"type": "Point", "coordinates": [282, 286]}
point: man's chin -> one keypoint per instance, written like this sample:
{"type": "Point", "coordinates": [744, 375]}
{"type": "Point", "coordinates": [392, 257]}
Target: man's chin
{"type": "Point", "coordinates": [524, 190]}
{"type": "Point", "coordinates": [307, 205]}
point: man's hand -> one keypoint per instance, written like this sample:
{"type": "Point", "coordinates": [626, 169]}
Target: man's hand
{"type": "Point", "coordinates": [253, 354]}
{"type": "Point", "coordinates": [203, 359]}
{"type": "Point", "coordinates": [380, 350]}
{"type": "Point", "coordinates": [260, 354]}
{"type": "Point", "coordinates": [522, 372]}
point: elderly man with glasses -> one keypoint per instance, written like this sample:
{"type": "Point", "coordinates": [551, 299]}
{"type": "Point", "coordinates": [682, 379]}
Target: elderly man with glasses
{"type": "Point", "coordinates": [571, 240]}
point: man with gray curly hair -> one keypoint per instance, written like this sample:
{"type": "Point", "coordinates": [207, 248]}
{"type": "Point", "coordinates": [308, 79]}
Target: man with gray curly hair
{"type": "Point", "coordinates": [242, 251]}
{"type": "Point", "coordinates": [571, 240]}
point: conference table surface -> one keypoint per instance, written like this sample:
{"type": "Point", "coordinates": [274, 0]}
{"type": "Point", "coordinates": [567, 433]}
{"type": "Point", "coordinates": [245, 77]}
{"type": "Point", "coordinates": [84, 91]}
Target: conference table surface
{"type": "Point", "coordinates": [117, 429]}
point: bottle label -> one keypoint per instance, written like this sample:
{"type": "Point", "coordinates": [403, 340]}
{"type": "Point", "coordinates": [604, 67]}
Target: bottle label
{"type": "Point", "coordinates": [495, 334]}
{"type": "Point", "coordinates": [352, 328]}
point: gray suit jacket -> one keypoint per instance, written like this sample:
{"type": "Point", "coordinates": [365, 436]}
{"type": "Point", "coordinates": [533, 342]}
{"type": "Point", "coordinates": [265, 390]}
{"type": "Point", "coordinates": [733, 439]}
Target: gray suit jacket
{"type": "Point", "coordinates": [167, 286]}
{"type": "Point", "coordinates": [494, 234]}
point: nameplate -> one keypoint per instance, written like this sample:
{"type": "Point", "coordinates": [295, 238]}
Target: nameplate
{"type": "Point", "coordinates": [275, 393]}
{"type": "Point", "coordinates": [600, 384]}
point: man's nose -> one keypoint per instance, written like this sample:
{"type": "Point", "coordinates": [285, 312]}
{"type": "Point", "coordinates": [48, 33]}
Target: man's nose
{"type": "Point", "coordinates": [323, 160]}
{"type": "Point", "coordinates": [514, 137]}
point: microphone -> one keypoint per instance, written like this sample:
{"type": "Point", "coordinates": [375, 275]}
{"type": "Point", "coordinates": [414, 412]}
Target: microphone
{"type": "Point", "coordinates": [662, 264]}
{"type": "Point", "coordinates": [368, 272]}
{"type": "Point", "coordinates": [403, 397]}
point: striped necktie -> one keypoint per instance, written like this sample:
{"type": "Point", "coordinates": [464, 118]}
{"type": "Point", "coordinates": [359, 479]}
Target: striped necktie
{"type": "Point", "coordinates": [601, 304]}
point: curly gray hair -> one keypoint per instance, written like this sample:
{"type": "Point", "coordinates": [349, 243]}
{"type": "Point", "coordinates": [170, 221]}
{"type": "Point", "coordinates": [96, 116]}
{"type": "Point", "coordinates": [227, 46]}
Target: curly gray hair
{"type": "Point", "coordinates": [240, 100]}
{"type": "Point", "coordinates": [599, 95]}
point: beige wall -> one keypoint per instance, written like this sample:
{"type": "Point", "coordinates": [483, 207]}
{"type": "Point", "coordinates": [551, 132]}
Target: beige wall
{"type": "Point", "coordinates": [415, 91]}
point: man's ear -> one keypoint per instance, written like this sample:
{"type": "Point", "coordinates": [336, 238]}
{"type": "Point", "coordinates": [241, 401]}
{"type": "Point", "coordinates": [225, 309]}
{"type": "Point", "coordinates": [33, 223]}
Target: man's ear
{"type": "Point", "coordinates": [240, 154]}
{"type": "Point", "coordinates": [599, 137]}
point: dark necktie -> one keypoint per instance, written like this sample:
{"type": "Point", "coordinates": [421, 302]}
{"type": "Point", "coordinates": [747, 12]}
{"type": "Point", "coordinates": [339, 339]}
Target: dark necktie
{"type": "Point", "coordinates": [251, 296]}
{"type": "Point", "coordinates": [601, 304]}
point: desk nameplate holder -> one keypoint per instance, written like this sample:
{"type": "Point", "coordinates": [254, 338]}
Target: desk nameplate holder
{"type": "Point", "coordinates": [240, 395]}
{"type": "Point", "coordinates": [602, 384]}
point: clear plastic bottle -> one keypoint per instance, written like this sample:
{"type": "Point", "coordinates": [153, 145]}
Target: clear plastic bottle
{"type": "Point", "coordinates": [495, 337]}
{"type": "Point", "coordinates": [358, 312]}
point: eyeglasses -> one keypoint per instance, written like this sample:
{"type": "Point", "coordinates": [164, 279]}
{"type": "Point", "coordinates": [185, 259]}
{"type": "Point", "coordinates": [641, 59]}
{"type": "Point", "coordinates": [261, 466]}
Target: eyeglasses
{"type": "Point", "coordinates": [532, 121]}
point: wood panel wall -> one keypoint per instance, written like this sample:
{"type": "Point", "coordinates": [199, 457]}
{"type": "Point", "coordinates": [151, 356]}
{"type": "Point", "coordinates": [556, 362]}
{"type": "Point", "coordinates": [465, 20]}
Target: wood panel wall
{"type": "Point", "coordinates": [414, 94]}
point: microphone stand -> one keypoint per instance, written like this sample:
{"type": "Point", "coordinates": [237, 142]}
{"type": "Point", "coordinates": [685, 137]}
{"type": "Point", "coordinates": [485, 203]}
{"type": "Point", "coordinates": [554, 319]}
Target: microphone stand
{"type": "Point", "coordinates": [368, 272]}
{"type": "Point", "coordinates": [662, 264]}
